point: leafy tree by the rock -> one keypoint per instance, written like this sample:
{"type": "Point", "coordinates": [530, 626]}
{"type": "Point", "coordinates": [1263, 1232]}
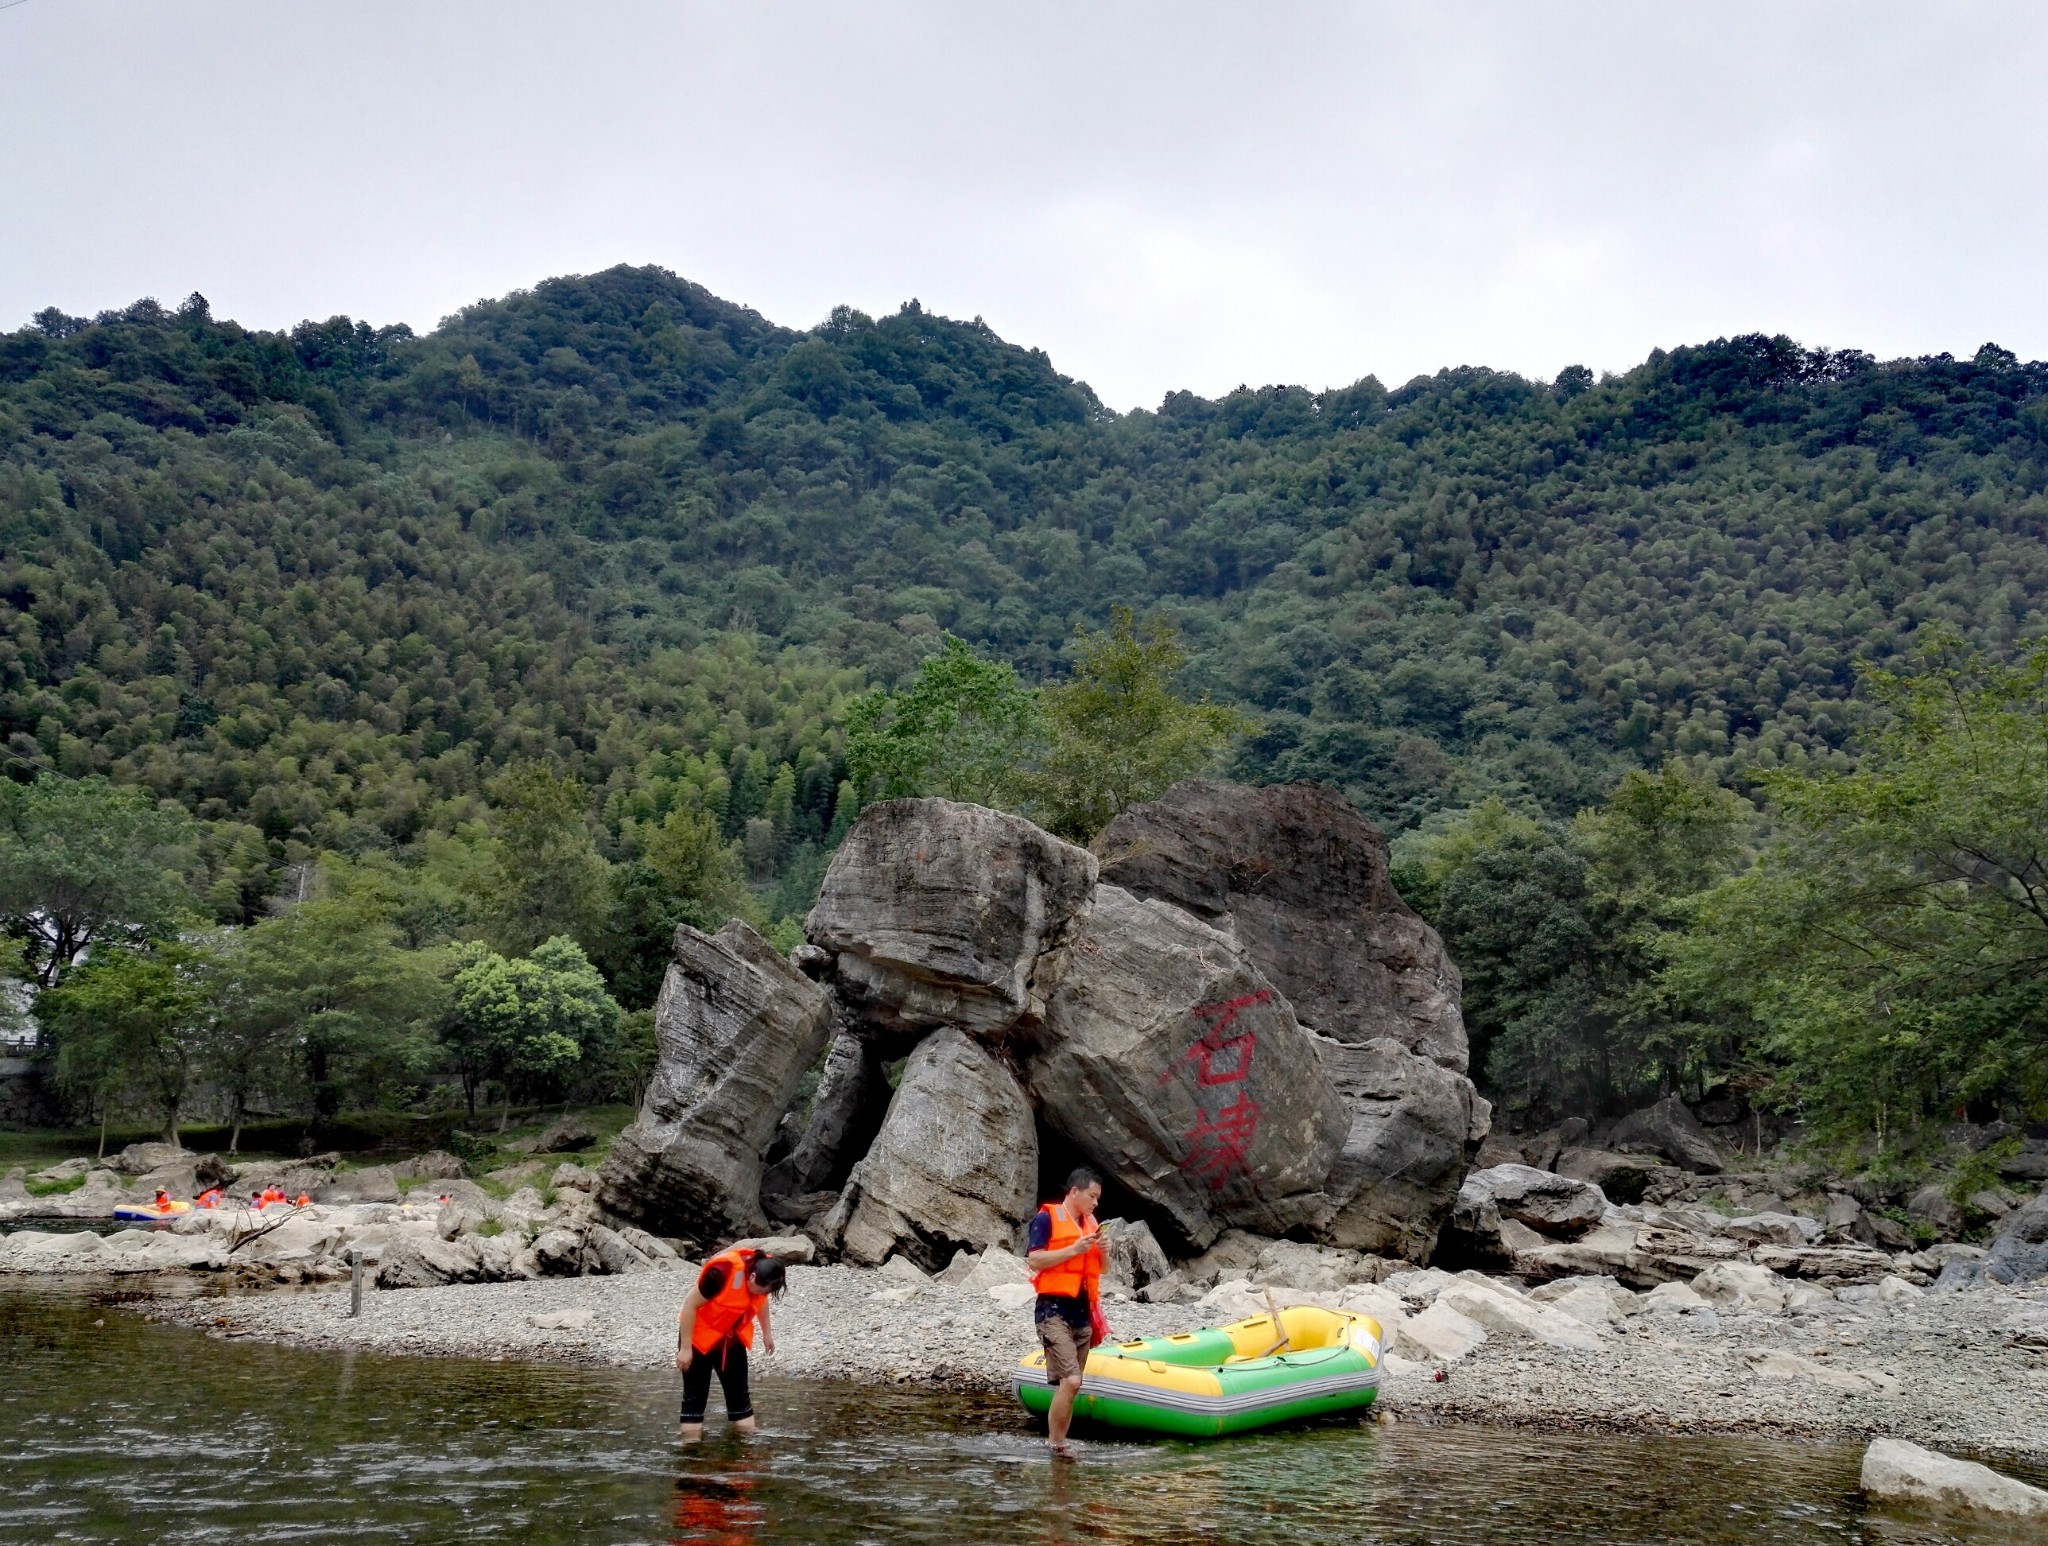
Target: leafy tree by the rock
{"type": "Point", "coordinates": [83, 862]}
{"type": "Point", "coordinates": [527, 1022]}
{"type": "Point", "coordinates": [548, 877]}
{"type": "Point", "coordinates": [1516, 916]}
{"type": "Point", "coordinates": [132, 1019]}
{"type": "Point", "coordinates": [1892, 945]}
{"type": "Point", "coordinates": [686, 873]}
{"type": "Point", "coordinates": [1117, 732]}
{"type": "Point", "coordinates": [962, 730]}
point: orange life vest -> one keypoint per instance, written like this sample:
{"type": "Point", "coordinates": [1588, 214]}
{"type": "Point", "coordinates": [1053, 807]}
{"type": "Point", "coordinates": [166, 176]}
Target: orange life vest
{"type": "Point", "coordinates": [1077, 1274]}
{"type": "Point", "coordinates": [305, 1200]}
{"type": "Point", "coordinates": [731, 1311]}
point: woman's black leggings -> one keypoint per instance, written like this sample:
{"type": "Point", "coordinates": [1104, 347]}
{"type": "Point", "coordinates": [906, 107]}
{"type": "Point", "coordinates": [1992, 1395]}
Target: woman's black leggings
{"type": "Point", "coordinates": [728, 1361]}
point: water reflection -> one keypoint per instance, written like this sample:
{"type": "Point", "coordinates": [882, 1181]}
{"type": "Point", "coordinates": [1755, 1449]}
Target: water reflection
{"type": "Point", "coordinates": [128, 1432]}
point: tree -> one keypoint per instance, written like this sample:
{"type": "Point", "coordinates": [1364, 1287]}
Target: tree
{"type": "Point", "coordinates": [1891, 947]}
{"type": "Point", "coordinates": [131, 1019]}
{"type": "Point", "coordinates": [327, 986]}
{"type": "Point", "coordinates": [960, 731]}
{"type": "Point", "coordinates": [82, 862]}
{"type": "Point", "coordinates": [1652, 847]}
{"type": "Point", "coordinates": [1116, 732]}
{"type": "Point", "coordinates": [686, 873]}
{"type": "Point", "coordinates": [548, 877]}
{"type": "Point", "coordinates": [1515, 917]}
{"type": "Point", "coordinates": [525, 1021]}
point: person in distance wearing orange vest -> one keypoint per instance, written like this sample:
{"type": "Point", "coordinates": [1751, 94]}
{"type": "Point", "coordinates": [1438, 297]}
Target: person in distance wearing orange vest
{"type": "Point", "coordinates": [1064, 1253]}
{"type": "Point", "coordinates": [715, 1329]}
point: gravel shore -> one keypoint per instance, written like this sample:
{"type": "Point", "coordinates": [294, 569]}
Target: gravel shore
{"type": "Point", "coordinates": [1955, 1371]}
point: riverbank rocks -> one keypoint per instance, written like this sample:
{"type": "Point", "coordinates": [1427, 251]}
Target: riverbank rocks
{"type": "Point", "coordinates": [935, 913]}
{"type": "Point", "coordinates": [1895, 1471]}
{"type": "Point", "coordinates": [1169, 1060]}
{"type": "Point", "coordinates": [1413, 1127]}
{"type": "Point", "coordinates": [736, 1025]}
{"type": "Point", "coordinates": [1299, 876]}
{"type": "Point", "coordinates": [1671, 1131]}
{"type": "Point", "coordinates": [954, 1166]}
{"type": "Point", "coordinates": [1143, 1030]}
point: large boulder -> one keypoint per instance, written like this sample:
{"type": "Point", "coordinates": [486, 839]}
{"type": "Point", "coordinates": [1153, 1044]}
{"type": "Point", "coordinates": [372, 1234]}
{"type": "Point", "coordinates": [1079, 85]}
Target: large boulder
{"type": "Point", "coordinates": [1300, 877]}
{"type": "Point", "coordinates": [139, 1159]}
{"type": "Point", "coordinates": [955, 1165]}
{"type": "Point", "coordinates": [1414, 1125]}
{"type": "Point", "coordinates": [1552, 1207]}
{"type": "Point", "coordinates": [934, 913]}
{"type": "Point", "coordinates": [2020, 1252]}
{"type": "Point", "coordinates": [1670, 1130]}
{"type": "Point", "coordinates": [736, 1027]}
{"type": "Point", "coordinates": [846, 1113]}
{"type": "Point", "coordinates": [1168, 1059]}
{"type": "Point", "coordinates": [188, 1176]}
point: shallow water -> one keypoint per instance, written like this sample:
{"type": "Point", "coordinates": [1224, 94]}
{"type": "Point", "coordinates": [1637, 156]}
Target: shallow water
{"type": "Point", "coordinates": [125, 1431]}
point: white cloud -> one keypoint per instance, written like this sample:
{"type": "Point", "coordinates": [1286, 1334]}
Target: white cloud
{"type": "Point", "coordinates": [1162, 196]}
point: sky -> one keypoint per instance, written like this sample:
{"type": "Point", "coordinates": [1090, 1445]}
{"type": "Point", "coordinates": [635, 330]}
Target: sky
{"type": "Point", "coordinates": [1162, 197]}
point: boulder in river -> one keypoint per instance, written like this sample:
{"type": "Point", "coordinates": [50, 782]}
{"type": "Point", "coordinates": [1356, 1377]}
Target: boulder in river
{"type": "Point", "coordinates": [935, 912]}
{"type": "Point", "coordinates": [1413, 1126]}
{"type": "Point", "coordinates": [1299, 876]}
{"type": "Point", "coordinates": [736, 1025]}
{"type": "Point", "coordinates": [1895, 1471]}
{"type": "Point", "coordinates": [1173, 1064]}
{"type": "Point", "coordinates": [954, 1166]}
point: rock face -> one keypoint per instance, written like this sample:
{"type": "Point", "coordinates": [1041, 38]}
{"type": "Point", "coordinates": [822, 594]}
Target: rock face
{"type": "Point", "coordinates": [1897, 1472]}
{"type": "Point", "coordinates": [2020, 1253]}
{"type": "Point", "coordinates": [1300, 877]}
{"type": "Point", "coordinates": [1168, 1059]}
{"type": "Point", "coordinates": [737, 1026]}
{"type": "Point", "coordinates": [935, 913]}
{"type": "Point", "coordinates": [1414, 1125]}
{"type": "Point", "coordinates": [846, 1114]}
{"type": "Point", "coordinates": [954, 1166]}
{"type": "Point", "coordinates": [1668, 1129]}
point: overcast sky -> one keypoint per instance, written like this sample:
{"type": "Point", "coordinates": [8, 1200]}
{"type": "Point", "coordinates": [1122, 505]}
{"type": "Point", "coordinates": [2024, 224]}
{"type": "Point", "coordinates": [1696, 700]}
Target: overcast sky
{"type": "Point", "coordinates": [1161, 196]}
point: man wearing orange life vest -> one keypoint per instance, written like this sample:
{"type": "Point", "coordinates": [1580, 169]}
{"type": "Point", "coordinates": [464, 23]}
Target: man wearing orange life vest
{"type": "Point", "coordinates": [1064, 1253]}
{"type": "Point", "coordinates": [715, 1329]}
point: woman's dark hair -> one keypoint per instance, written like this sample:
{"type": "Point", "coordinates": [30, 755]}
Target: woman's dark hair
{"type": "Point", "coordinates": [1082, 1176]}
{"type": "Point", "coordinates": [768, 1273]}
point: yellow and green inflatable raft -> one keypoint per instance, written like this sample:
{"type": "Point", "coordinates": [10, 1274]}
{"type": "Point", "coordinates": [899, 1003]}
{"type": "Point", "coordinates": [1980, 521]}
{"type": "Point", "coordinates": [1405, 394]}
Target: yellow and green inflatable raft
{"type": "Point", "coordinates": [1227, 1379]}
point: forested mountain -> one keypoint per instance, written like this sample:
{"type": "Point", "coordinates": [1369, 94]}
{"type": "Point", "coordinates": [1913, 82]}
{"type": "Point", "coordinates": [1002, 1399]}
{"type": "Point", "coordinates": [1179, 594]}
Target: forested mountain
{"type": "Point", "coordinates": [348, 591]}
{"type": "Point", "coordinates": [322, 582]}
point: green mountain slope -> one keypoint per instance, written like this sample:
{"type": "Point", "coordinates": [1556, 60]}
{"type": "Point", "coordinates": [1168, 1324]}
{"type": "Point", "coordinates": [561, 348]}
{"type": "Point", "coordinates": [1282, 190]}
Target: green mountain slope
{"type": "Point", "coordinates": [319, 586]}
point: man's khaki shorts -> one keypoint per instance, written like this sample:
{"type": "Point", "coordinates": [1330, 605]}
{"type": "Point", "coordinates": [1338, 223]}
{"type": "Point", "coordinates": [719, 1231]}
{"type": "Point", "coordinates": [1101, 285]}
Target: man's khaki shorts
{"type": "Point", "coordinates": [1066, 1350]}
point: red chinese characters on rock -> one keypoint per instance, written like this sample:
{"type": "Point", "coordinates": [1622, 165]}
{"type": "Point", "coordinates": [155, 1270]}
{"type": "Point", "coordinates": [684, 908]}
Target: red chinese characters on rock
{"type": "Point", "coordinates": [1222, 1135]}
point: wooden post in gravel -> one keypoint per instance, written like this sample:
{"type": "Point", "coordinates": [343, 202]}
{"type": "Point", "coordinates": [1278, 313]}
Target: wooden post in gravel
{"type": "Point", "coordinates": [355, 1281]}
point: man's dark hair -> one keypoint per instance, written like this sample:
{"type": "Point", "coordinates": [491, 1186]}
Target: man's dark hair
{"type": "Point", "coordinates": [1081, 1176]}
{"type": "Point", "coordinates": [768, 1273]}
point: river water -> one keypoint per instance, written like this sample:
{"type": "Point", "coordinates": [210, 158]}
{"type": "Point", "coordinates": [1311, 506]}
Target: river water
{"type": "Point", "coordinates": [116, 1430]}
